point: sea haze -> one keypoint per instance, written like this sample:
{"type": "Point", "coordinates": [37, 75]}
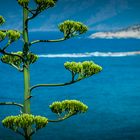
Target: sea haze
{"type": "Point", "coordinates": [112, 96]}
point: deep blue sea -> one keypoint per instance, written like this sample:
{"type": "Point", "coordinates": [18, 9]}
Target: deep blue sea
{"type": "Point", "coordinates": [113, 96]}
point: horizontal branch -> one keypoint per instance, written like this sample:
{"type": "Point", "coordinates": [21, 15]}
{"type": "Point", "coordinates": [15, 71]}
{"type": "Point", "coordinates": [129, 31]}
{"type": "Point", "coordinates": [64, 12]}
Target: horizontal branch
{"type": "Point", "coordinates": [63, 118]}
{"type": "Point", "coordinates": [54, 85]}
{"type": "Point", "coordinates": [12, 54]}
{"type": "Point", "coordinates": [41, 41]}
{"type": "Point", "coordinates": [58, 120]}
{"type": "Point", "coordinates": [11, 103]}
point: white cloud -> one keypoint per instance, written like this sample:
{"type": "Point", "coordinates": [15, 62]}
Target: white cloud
{"type": "Point", "coordinates": [117, 35]}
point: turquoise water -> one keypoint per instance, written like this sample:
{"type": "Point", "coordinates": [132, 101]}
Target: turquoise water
{"type": "Point", "coordinates": [113, 96]}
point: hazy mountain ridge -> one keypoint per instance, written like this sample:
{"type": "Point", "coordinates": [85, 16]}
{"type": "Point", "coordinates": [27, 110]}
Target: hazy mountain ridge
{"type": "Point", "coordinates": [133, 28]}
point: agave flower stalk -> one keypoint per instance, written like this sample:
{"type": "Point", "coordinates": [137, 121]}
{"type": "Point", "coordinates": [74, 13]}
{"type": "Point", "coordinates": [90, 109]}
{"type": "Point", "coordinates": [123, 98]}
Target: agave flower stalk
{"type": "Point", "coordinates": [25, 123]}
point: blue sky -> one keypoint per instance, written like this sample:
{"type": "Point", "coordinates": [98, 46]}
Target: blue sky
{"type": "Point", "coordinates": [99, 15]}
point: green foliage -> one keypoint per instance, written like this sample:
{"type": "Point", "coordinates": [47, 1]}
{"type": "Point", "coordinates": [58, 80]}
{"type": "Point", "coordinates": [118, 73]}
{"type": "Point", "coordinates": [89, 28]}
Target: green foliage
{"type": "Point", "coordinates": [72, 28]}
{"type": "Point", "coordinates": [24, 121]}
{"type": "Point", "coordinates": [83, 69]}
{"type": "Point", "coordinates": [2, 35]}
{"type": "Point", "coordinates": [13, 35]}
{"type": "Point", "coordinates": [2, 20]}
{"type": "Point", "coordinates": [23, 2]}
{"type": "Point", "coordinates": [16, 60]}
{"type": "Point", "coordinates": [12, 60]}
{"type": "Point", "coordinates": [40, 121]}
{"type": "Point", "coordinates": [32, 58]}
{"type": "Point", "coordinates": [68, 106]}
{"type": "Point", "coordinates": [44, 4]}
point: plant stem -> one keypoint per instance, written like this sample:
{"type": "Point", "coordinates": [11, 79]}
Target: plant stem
{"type": "Point", "coordinates": [53, 85]}
{"type": "Point", "coordinates": [26, 72]}
{"type": "Point", "coordinates": [26, 90]}
{"type": "Point", "coordinates": [12, 54]}
{"type": "Point", "coordinates": [62, 119]}
{"type": "Point", "coordinates": [39, 41]}
{"type": "Point", "coordinates": [11, 103]}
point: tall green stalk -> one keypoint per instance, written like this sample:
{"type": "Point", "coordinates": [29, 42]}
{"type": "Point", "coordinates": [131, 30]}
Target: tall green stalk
{"type": "Point", "coordinates": [26, 71]}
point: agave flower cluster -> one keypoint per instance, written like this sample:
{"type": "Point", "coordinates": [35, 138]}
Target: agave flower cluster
{"type": "Point", "coordinates": [83, 69]}
{"type": "Point", "coordinates": [72, 28]}
{"type": "Point", "coordinates": [29, 123]}
{"type": "Point", "coordinates": [24, 121]}
{"type": "Point", "coordinates": [16, 60]}
{"type": "Point", "coordinates": [13, 35]}
{"type": "Point", "coordinates": [23, 2]}
{"type": "Point", "coordinates": [45, 3]}
{"type": "Point", "coordinates": [42, 4]}
{"type": "Point", "coordinates": [68, 106]}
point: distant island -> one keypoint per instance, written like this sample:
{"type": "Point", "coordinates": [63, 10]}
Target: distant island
{"type": "Point", "coordinates": [129, 32]}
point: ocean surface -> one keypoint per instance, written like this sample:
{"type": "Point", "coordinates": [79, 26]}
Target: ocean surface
{"type": "Point", "coordinates": [113, 96]}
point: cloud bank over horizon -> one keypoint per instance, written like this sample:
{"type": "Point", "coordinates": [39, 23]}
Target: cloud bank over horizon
{"type": "Point", "coordinates": [131, 32]}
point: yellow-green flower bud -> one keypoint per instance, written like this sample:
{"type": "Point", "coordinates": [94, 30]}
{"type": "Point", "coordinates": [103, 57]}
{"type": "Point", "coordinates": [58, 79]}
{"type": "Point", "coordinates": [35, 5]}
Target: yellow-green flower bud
{"type": "Point", "coordinates": [13, 35]}
{"type": "Point", "coordinates": [24, 121]}
{"type": "Point", "coordinates": [84, 69]}
{"type": "Point", "coordinates": [2, 20]}
{"type": "Point", "coordinates": [23, 2]}
{"type": "Point", "coordinates": [56, 107]}
{"type": "Point", "coordinates": [40, 121]}
{"type": "Point", "coordinates": [32, 58]}
{"type": "Point", "coordinates": [2, 35]}
{"type": "Point", "coordinates": [17, 61]}
{"type": "Point", "coordinates": [72, 28]}
{"type": "Point", "coordinates": [68, 106]}
{"type": "Point", "coordinates": [10, 59]}
{"type": "Point", "coordinates": [45, 3]}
